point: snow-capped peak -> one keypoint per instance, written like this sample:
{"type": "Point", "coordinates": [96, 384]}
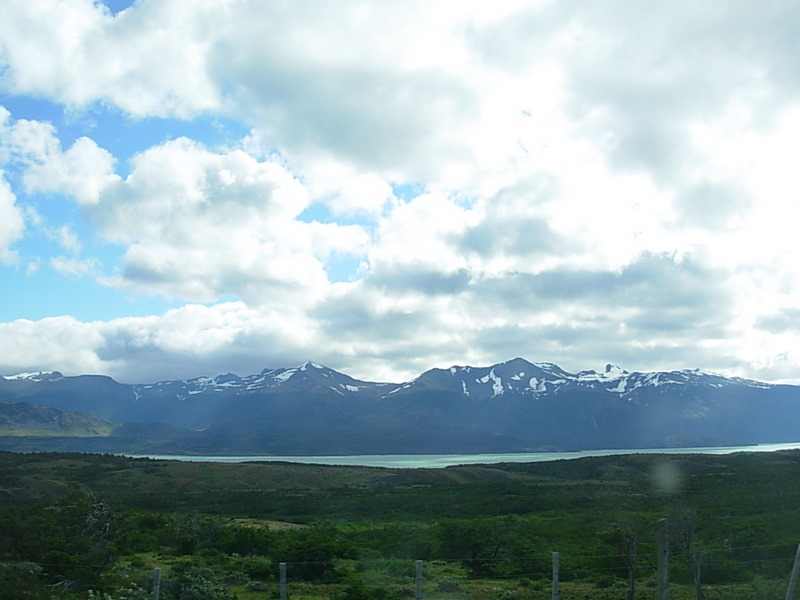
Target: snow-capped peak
{"type": "Point", "coordinates": [310, 365]}
{"type": "Point", "coordinates": [284, 375]}
{"type": "Point", "coordinates": [610, 372]}
{"type": "Point", "coordinates": [613, 372]}
{"type": "Point", "coordinates": [35, 376]}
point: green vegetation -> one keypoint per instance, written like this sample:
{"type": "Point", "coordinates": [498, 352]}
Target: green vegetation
{"type": "Point", "coordinates": [94, 526]}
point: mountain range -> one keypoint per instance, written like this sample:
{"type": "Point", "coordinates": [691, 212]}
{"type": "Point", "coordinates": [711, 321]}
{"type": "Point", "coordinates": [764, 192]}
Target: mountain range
{"type": "Point", "coordinates": [514, 406]}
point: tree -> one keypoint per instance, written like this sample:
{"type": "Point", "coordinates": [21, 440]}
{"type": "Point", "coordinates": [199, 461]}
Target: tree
{"type": "Point", "coordinates": [684, 526]}
{"type": "Point", "coordinates": [622, 536]}
{"type": "Point", "coordinates": [311, 551]}
{"type": "Point", "coordinates": [71, 539]}
{"type": "Point", "coordinates": [480, 543]}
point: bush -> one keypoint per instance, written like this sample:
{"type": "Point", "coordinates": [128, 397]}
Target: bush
{"type": "Point", "coordinates": [22, 581]}
{"type": "Point", "coordinates": [187, 582]}
{"type": "Point", "coordinates": [357, 590]}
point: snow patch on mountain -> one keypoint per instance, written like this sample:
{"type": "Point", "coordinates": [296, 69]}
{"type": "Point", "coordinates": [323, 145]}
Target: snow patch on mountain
{"type": "Point", "coordinates": [536, 385]}
{"type": "Point", "coordinates": [284, 376]}
{"type": "Point", "coordinates": [620, 387]}
{"type": "Point", "coordinates": [497, 382]}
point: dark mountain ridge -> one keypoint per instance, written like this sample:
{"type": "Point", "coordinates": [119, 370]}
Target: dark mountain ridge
{"type": "Point", "coordinates": [514, 406]}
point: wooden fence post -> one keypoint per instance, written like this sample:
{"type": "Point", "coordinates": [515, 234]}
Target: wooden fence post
{"type": "Point", "coordinates": [556, 567]}
{"type": "Point", "coordinates": [418, 580]}
{"type": "Point", "coordinates": [795, 573]}
{"type": "Point", "coordinates": [156, 584]}
{"type": "Point", "coordinates": [662, 583]}
{"type": "Point", "coordinates": [282, 577]}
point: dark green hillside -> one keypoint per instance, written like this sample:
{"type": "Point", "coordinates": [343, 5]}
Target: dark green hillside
{"type": "Point", "coordinates": [20, 419]}
{"type": "Point", "coordinates": [33, 428]}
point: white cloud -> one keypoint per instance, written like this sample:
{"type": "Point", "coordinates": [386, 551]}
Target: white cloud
{"type": "Point", "coordinates": [201, 225]}
{"type": "Point", "coordinates": [83, 171]}
{"type": "Point", "coordinates": [183, 342]}
{"type": "Point", "coordinates": [32, 149]}
{"type": "Point", "coordinates": [41, 345]}
{"type": "Point", "coordinates": [571, 182]}
{"type": "Point", "coordinates": [33, 266]}
{"type": "Point", "coordinates": [148, 60]}
{"type": "Point", "coordinates": [67, 239]}
{"type": "Point", "coordinates": [390, 88]}
{"type": "Point", "coordinates": [75, 267]}
{"type": "Point", "coordinates": [12, 225]}
{"type": "Point", "coordinates": [24, 141]}
{"type": "Point", "coordinates": [412, 92]}
{"type": "Point", "coordinates": [422, 231]}
{"type": "Point", "coordinates": [346, 192]}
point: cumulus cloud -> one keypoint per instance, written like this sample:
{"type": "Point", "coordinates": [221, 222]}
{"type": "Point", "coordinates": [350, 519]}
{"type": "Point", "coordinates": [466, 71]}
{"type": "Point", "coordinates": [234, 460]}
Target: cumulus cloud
{"type": "Point", "coordinates": [377, 90]}
{"type": "Point", "coordinates": [39, 345]}
{"type": "Point", "coordinates": [347, 192]}
{"type": "Point", "coordinates": [12, 225]}
{"type": "Point", "coordinates": [576, 183]}
{"type": "Point", "coordinates": [200, 225]}
{"type": "Point", "coordinates": [183, 342]}
{"type": "Point", "coordinates": [147, 61]}
{"type": "Point", "coordinates": [25, 141]}
{"type": "Point", "coordinates": [415, 92]}
{"type": "Point", "coordinates": [199, 339]}
{"type": "Point", "coordinates": [638, 79]}
{"type": "Point", "coordinates": [83, 171]}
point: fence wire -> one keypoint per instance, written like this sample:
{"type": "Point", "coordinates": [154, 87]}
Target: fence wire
{"type": "Point", "coordinates": [759, 572]}
{"type": "Point", "coordinates": [724, 573]}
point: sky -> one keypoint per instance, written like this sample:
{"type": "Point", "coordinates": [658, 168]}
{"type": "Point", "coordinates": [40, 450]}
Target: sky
{"type": "Point", "coordinates": [198, 187]}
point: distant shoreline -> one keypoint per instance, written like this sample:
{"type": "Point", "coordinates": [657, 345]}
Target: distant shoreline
{"type": "Point", "coordinates": [418, 461]}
